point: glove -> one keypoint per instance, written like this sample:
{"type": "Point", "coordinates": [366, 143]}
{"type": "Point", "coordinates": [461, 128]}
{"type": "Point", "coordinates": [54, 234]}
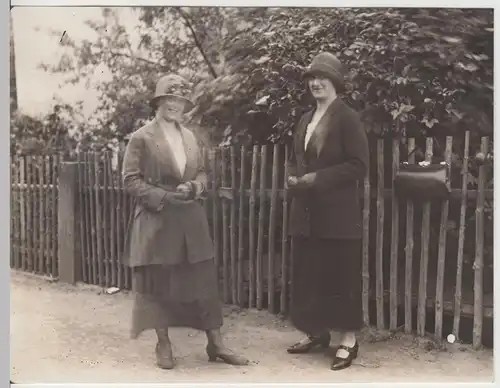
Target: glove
{"type": "Point", "coordinates": [306, 180]}
{"type": "Point", "coordinates": [175, 198]}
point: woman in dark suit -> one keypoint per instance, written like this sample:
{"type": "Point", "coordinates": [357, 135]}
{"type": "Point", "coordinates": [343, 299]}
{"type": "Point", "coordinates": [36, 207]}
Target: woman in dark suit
{"type": "Point", "coordinates": [168, 243]}
{"type": "Point", "coordinates": [329, 157]}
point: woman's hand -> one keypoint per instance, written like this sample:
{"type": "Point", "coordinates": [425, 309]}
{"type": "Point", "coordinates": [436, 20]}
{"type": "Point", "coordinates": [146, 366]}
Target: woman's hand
{"type": "Point", "coordinates": [184, 191]}
{"type": "Point", "coordinates": [307, 180]}
{"type": "Point", "coordinates": [292, 181]}
{"type": "Point", "coordinates": [304, 181]}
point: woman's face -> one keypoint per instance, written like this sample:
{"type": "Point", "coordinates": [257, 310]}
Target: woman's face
{"type": "Point", "coordinates": [171, 108]}
{"type": "Point", "coordinates": [321, 87]}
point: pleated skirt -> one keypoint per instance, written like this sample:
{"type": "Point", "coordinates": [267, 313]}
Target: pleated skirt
{"type": "Point", "coordinates": [326, 285]}
{"type": "Point", "coordinates": [183, 295]}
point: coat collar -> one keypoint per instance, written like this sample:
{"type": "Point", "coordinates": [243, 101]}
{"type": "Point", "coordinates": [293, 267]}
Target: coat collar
{"type": "Point", "coordinates": [165, 155]}
{"type": "Point", "coordinates": [318, 137]}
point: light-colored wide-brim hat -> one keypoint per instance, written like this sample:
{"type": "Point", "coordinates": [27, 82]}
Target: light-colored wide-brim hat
{"type": "Point", "coordinates": [175, 86]}
{"type": "Point", "coordinates": [327, 65]}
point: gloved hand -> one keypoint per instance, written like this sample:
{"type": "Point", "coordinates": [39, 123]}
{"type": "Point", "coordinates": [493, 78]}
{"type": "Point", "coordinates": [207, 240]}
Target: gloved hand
{"type": "Point", "coordinates": [307, 180]}
{"type": "Point", "coordinates": [304, 181]}
{"type": "Point", "coordinates": [185, 191]}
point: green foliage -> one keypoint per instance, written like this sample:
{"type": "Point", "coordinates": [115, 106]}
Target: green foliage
{"type": "Point", "coordinates": [52, 133]}
{"type": "Point", "coordinates": [410, 71]}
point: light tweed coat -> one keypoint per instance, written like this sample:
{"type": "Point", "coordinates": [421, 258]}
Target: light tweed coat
{"type": "Point", "coordinates": [176, 232]}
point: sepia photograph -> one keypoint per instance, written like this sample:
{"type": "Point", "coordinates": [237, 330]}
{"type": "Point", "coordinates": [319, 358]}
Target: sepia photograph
{"type": "Point", "coordinates": [251, 194]}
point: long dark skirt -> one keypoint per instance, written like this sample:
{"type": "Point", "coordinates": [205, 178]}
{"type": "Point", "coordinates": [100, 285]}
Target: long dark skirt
{"type": "Point", "coordinates": [326, 285]}
{"type": "Point", "coordinates": [184, 295]}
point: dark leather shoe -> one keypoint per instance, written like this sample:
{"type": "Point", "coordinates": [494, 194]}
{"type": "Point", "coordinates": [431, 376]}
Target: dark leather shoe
{"type": "Point", "coordinates": [164, 357]}
{"type": "Point", "coordinates": [340, 363]}
{"type": "Point", "coordinates": [226, 355]}
{"type": "Point", "coordinates": [305, 347]}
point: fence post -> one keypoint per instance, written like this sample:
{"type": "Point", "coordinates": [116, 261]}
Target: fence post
{"type": "Point", "coordinates": [70, 265]}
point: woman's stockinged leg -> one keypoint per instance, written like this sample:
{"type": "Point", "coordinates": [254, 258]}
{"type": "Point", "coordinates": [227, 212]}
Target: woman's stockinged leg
{"type": "Point", "coordinates": [164, 356]}
{"type": "Point", "coordinates": [348, 340]}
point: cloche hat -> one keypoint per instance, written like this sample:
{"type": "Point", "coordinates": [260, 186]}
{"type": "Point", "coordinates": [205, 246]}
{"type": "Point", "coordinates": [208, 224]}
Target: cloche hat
{"type": "Point", "coordinates": [173, 85]}
{"type": "Point", "coordinates": [329, 66]}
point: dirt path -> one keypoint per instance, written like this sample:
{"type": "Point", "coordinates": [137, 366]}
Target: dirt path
{"type": "Point", "coordinates": [65, 334]}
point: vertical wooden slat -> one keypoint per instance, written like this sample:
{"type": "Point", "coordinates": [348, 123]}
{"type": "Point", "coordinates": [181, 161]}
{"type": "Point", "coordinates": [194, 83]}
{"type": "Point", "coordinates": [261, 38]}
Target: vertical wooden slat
{"type": "Point", "coordinates": [284, 240]}
{"type": "Point", "coordinates": [98, 218]}
{"type": "Point", "coordinates": [49, 241]}
{"type": "Point", "coordinates": [41, 214]}
{"type": "Point", "coordinates": [55, 193]}
{"type": "Point", "coordinates": [251, 229]}
{"type": "Point", "coordinates": [81, 215]}
{"type": "Point", "coordinates": [409, 252]}
{"type": "Point", "coordinates": [260, 231]}
{"type": "Point", "coordinates": [443, 228]}
{"type": "Point", "coordinates": [14, 179]}
{"type": "Point", "coordinates": [29, 210]}
{"type": "Point", "coordinates": [112, 222]}
{"type": "Point", "coordinates": [206, 168]}
{"type": "Point", "coordinates": [461, 239]}
{"type": "Point", "coordinates": [38, 189]}
{"type": "Point", "coordinates": [93, 236]}
{"type": "Point", "coordinates": [105, 218]}
{"type": "Point", "coordinates": [88, 219]}
{"type": "Point", "coordinates": [46, 228]}
{"type": "Point", "coordinates": [125, 218]}
{"type": "Point", "coordinates": [272, 232]}
{"type": "Point", "coordinates": [365, 271]}
{"type": "Point", "coordinates": [424, 257]}
{"type": "Point", "coordinates": [14, 205]}
{"type": "Point", "coordinates": [215, 207]}
{"type": "Point", "coordinates": [379, 272]}
{"type": "Point", "coordinates": [120, 227]}
{"type": "Point", "coordinates": [20, 213]}
{"type": "Point", "coordinates": [70, 259]}
{"type": "Point", "coordinates": [35, 232]}
{"type": "Point", "coordinates": [12, 214]}
{"type": "Point", "coordinates": [479, 253]}
{"type": "Point", "coordinates": [23, 213]}
{"type": "Point", "coordinates": [225, 231]}
{"type": "Point", "coordinates": [234, 235]}
{"type": "Point", "coordinates": [241, 227]}
{"type": "Point", "coordinates": [393, 279]}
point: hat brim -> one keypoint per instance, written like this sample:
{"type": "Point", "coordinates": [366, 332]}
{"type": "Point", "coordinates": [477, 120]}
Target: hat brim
{"type": "Point", "coordinates": [189, 103]}
{"type": "Point", "coordinates": [338, 82]}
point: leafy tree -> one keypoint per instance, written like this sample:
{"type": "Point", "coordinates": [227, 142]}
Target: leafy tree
{"type": "Point", "coordinates": [411, 70]}
{"type": "Point", "coordinates": [55, 132]}
{"type": "Point", "coordinates": [190, 41]}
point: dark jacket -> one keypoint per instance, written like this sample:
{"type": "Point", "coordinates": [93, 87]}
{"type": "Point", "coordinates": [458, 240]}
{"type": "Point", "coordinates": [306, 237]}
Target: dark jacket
{"type": "Point", "coordinates": [337, 157]}
{"type": "Point", "coordinates": [176, 232]}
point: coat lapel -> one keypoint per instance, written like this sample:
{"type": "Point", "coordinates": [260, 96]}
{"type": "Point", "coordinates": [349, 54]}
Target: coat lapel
{"type": "Point", "coordinates": [323, 128]}
{"type": "Point", "coordinates": [301, 132]}
{"type": "Point", "coordinates": [163, 151]}
{"type": "Point", "coordinates": [191, 150]}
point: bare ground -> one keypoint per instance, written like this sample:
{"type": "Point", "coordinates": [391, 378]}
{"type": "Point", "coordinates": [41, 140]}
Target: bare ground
{"type": "Point", "coordinates": [78, 334]}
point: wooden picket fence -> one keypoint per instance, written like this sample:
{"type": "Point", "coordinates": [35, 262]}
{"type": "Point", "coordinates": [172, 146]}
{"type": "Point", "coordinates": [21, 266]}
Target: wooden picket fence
{"type": "Point", "coordinates": [34, 212]}
{"type": "Point", "coordinates": [247, 210]}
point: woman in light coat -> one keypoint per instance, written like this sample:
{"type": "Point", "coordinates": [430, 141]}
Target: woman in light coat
{"type": "Point", "coordinates": [168, 243]}
{"type": "Point", "coordinates": [329, 157]}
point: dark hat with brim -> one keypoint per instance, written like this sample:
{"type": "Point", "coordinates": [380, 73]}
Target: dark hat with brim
{"type": "Point", "coordinates": [173, 86]}
{"type": "Point", "coordinates": [329, 66]}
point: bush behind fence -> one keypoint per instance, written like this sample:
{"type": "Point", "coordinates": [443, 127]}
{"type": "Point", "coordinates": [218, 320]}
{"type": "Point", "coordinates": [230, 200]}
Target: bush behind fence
{"type": "Point", "coordinates": [412, 258]}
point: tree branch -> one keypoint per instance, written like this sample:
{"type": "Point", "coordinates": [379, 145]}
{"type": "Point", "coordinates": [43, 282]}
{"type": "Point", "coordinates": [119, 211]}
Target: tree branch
{"type": "Point", "coordinates": [116, 54]}
{"type": "Point", "coordinates": [197, 42]}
